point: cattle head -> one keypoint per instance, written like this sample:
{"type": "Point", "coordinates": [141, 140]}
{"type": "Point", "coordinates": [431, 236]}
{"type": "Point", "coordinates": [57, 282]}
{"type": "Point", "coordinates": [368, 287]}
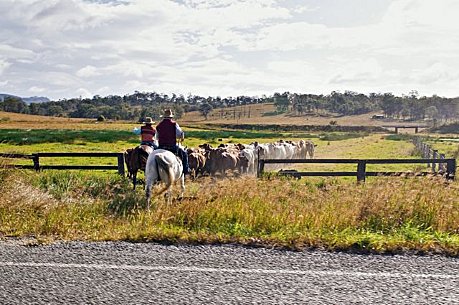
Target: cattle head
{"type": "Point", "coordinates": [205, 146]}
{"type": "Point", "coordinates": [262, 151]}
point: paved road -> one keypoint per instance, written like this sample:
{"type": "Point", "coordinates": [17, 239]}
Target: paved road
{"type": "Point", "coordinates": [126, 273]}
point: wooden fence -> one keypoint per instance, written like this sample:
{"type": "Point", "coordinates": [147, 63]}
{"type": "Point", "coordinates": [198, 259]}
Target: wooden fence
{"type": "Point", "coordinates": [427, 152]}
{"type": "Point", "coordinates": [361, 173]}
{"type": "Point", "coordinates": [37, 157]}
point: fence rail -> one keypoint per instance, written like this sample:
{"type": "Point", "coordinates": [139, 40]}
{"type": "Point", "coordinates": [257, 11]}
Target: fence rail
{"type": "Point", "coordinates": [427, 152]}
{"type": "Point", "coordinates": [37, 156]}
{"type": "Point", "coordinates": [361, 172]}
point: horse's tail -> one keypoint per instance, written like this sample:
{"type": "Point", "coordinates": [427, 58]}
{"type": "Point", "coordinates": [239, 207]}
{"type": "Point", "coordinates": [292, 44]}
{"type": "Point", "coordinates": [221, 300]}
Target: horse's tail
{"type": "Point", "coordinates": [167, 168]}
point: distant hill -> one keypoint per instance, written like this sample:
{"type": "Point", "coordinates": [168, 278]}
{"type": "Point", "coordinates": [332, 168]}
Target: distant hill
{"type": "Point", "coordinates": [27, 100]}
{"type": "Point", "coordinates": [4, 95]}
{"type": "Point", "coordinates": [35, 99]}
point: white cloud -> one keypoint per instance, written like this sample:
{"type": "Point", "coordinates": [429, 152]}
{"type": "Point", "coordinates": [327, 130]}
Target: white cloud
{"type": "Point", "coordinates": [88, 71]}
{"type": "Point", "coordinates": [15, 52]}
{"type": "Point", "coordinates": [437, 73]}
{"type": "Point", "coordinates": [3, 65]}
{"type": "Point", "coordinates": [35, 90]}
{"type": "Point", "coordinates": [232, 47]}
{"type": "Point", "coordinates": [83, 92]}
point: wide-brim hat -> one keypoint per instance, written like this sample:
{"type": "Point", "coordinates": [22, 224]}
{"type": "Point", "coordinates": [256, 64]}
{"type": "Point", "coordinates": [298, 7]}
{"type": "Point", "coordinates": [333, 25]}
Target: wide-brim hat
{"type": "Point", "coordinates": [148, 120]}
{"type": "Point", "coordinates": [167, 114]}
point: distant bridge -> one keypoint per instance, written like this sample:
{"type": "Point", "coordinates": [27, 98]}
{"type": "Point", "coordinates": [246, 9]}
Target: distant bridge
{"type": "Point", "coordinates": [397, 127]}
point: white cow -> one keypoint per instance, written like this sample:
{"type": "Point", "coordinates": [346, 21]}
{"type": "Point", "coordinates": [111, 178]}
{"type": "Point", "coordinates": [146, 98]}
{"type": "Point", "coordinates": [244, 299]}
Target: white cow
{"type": "Point", "coordinates": [249, 154]}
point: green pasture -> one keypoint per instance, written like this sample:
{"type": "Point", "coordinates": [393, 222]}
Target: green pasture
{"type": "Point", "coordinates": [445, 145]}
{"type": "Point", "coordinates": [329, 145]}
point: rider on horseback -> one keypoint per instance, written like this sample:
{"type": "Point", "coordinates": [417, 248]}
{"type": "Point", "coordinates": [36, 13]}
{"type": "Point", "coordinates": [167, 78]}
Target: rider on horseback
{"type": "Point", "coordinates": [147, 133]}
{"type": "Point", "coordinates": [167, 133]}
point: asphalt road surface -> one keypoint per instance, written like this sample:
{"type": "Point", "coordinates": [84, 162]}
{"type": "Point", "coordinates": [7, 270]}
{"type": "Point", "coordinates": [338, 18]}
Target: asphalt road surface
{"type": "Point", "coordinates": [127, 273]}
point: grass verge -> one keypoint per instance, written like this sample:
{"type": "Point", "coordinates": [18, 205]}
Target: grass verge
{"type": "Point", "coordinates": [384, 215]}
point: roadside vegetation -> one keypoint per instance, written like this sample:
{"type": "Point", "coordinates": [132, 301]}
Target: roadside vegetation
{"type": "Point", "coordinates": [384, 215]}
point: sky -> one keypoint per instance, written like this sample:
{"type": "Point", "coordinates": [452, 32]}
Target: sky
{"type": "Point", "coordinates": [71, 48]}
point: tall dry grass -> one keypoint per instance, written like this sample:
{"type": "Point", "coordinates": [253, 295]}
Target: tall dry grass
{"type": "Point", "coordinates": [384, 214]}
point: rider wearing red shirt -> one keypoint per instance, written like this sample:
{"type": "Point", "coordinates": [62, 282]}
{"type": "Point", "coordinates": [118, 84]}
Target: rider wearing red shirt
{"type": "Point", "coordinates": [148, 133]}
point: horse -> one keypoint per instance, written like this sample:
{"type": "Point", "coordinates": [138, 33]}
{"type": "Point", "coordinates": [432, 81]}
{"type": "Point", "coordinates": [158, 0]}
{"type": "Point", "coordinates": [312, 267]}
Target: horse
{"type": "Point", "coordinates": [136, 159]}
{"type": "Point", "coordinates": [163, 165]}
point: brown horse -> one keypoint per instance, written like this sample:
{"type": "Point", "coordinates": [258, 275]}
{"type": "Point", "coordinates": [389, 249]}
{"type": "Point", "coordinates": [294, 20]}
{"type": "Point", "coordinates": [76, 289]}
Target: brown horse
{"type": "Point", "coordinates": [136, 159]}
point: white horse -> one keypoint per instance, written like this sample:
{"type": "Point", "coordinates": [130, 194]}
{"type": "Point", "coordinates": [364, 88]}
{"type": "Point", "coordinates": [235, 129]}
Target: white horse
{"type": "Point", "coordinates": [163, 165]}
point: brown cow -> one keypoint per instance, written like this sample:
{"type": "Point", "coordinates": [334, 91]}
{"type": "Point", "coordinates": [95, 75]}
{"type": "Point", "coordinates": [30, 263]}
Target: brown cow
{"type": "Point", "coordinates": [306, 148]}
{"type": "Point", "coordinates": [196, 162]}
{"type": "Point", "coordinates": [220, 161]}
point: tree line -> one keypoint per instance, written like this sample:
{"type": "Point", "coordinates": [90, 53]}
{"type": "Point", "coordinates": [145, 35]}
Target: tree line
{"type": "Point", "coordinates": [138, 105]}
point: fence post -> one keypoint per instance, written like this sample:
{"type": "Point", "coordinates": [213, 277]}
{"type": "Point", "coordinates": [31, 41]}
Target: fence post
{"type": "Point", "coordinates": [434, 156]}
{"type": "Point", "coordinates": [429, 150]}
{"type": "Point", "coordinates": [121, 164]}
{"type": "Point", "coordinates": [261, 168]}
{"type": "Point", "coordinates": [441, 166]}
{"type": "Point", "coordinates": [427, 153]}
{"type": "Point", "coordinates": [450, 169]}
{"type": "Point", "coordinates": [36, 162]}
{"type": "Point", "coordinates": [361, 170]}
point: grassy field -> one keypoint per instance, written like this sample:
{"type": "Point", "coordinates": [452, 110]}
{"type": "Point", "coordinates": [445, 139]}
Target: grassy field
{"type": "Point", "coordinates": [381, 216]}
{"type": "Point", "coordinates": [331, 145]}
{"type": "Point", "coordinates": [384, 215]}
{"type": "Point", "coordinates": [259, 114]}
{"type": "Point", "coordinates": [266, 114]}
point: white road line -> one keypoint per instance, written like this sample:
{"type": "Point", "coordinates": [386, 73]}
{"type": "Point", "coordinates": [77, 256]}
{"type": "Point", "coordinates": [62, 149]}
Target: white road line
{"type": "Point", "coordinates": [229, 270]}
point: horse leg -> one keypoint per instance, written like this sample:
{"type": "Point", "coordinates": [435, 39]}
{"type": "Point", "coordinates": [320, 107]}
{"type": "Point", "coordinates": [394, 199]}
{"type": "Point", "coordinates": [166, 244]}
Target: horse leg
{"type": "Point", "coordinates": [169, 195]}
{"type": "Point", "coordinates": [167, 189]}
{"type": "Point", "coordinates": [182, 186]}
{"type": "Point", "coordinates": [193, 174]}
{"type": "Point", "coordinates": [134, 179]}
{"type": "Point", "coordinates": [148, 194]}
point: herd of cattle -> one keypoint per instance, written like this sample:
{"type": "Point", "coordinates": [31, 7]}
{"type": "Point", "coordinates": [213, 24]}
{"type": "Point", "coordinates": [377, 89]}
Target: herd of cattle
{"type": "Point", "coordinates": [243, 158]}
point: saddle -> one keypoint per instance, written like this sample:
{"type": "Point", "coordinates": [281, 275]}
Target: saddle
{"type": "Point", "coordinates": [172, 149]}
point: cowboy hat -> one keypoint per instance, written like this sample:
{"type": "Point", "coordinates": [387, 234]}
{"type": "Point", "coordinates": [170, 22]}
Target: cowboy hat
{"type": "Point", "coordinates": [167, 114]}
{"type": "Point", "coordinates": [148, 120]}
